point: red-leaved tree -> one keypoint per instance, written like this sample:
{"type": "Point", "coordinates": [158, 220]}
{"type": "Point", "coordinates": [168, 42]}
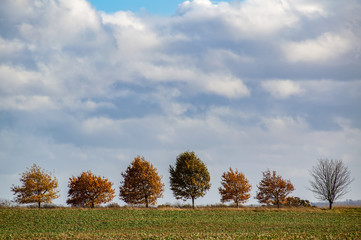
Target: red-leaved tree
{"type": "Point", "coordinates": [88, 190]}
{"type": "Point", "coordinates": [273, 189]}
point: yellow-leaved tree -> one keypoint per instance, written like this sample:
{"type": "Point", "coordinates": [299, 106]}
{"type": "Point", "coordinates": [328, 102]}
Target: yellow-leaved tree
{"type": "Point", "coordinates": [38, 186]}
{"type": "Point", "coordinates": [273, 189]}
{"type": "Point", "coordinates": [88, 190]}
{"type": "Point", "coordinates": [235, 186]}
{"type": "Point", "coordinates": [141, 183]}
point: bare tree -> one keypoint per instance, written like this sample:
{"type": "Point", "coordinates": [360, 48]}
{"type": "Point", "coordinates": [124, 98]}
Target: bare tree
{"type": "Point", "coordinates": [330, 180]}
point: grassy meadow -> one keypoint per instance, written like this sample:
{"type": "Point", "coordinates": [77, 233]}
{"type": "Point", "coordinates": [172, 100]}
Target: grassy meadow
{"type": "Point", "coordinates": [168, 223]}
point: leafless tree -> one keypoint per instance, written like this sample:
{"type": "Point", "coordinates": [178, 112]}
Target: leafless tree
{"type": "Point", "coordinates": [330, 180]}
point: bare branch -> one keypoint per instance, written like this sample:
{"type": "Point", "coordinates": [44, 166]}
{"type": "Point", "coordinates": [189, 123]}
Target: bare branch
{"type": "Point", "coordinates": [330, 180]}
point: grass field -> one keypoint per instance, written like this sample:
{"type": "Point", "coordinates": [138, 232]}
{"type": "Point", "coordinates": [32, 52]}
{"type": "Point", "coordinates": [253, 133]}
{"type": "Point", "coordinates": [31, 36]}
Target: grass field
{"type": "Point", "coordinates": [246, 223]}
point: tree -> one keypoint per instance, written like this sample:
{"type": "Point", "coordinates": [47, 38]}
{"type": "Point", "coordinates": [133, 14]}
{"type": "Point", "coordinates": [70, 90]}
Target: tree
{"type": "Point", "coordinates": [273, 189]}
{"type": "Point", "coordinates": [235, 186]}
{"type": "Point", "coordinates": [88, 190]}
{"type": "Point", "coordinates": [141, 184]}
{"type": "Point", "coordinates": [38, 186]}
{"type": "Point", "coordinates": [330, 180]}
{"type": "Point", "coordinates": [189, 179]}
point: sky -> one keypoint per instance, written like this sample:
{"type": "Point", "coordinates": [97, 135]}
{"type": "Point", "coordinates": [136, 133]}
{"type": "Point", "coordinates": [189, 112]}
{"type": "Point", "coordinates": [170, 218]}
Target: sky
{"type": "Point", "coordinates": [252, 85]}
{"type": "Point", "coordinates": [159, 7]}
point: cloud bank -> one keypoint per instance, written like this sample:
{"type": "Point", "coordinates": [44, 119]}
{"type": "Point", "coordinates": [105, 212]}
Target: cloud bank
{"type": "Point", "coordinates": [249, 85]}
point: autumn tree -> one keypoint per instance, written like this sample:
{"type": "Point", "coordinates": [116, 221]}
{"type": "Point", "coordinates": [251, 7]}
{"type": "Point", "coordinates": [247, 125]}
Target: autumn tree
{"type": "Point", "coordinates": [88, 190]}
{"type": "Point", "coordinates": [189, 179]}
{"type": "Point", "coordinates": [38, 186]}
{"type": "Point", "coordinates": [330, 180]}
{"type": "Point", "coordinates": [141, 183]}
{"type": "Point", "coordinates": [235, 186]}
{"type": "Point", "coordinates": [273, 189]}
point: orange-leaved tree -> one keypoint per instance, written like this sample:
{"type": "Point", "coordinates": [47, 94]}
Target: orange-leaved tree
{"type": "Point", "coordinates": [38, 186]}
{"type": "Point", "coordinates": [273, 189]}
{"type": "Point", "coordinates": [88, 190]}
{"type": "Point", "coordinates": [235, 186]}
{"type": "Point", "coordinates": [141, 184]}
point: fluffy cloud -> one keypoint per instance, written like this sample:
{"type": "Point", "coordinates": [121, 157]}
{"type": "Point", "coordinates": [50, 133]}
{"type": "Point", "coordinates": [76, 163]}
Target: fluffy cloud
{"type": "Point", "coordinates": [326, 47]}
{"type": "Point", "coordinates": [282, 88]}
{"type": "Point", "coordinates": [250, 18]}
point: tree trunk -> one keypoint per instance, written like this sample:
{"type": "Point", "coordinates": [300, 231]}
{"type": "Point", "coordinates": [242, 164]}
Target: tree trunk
{"type": "Point", "coordinates": [237, 204]}
{"type": "Point", "coordinates": [92, 206]}
{"type": "Point", "coordinates": [330, 204]}
{"type": "Point", "coordinates": [146, 202]}
{"type": "Point", "coordinates": [39, 204]}
{"type": "Point", "coordinates": [193, 202]}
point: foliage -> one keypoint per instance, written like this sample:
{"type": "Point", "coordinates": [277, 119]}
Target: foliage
{"type": "Point", "coordinates": [330, 180]}
{"type": "Point", "coordinates": [88, 190]}
{"type": "Point", "coordinates": [189, 179]}
{"type": "Point", "coordinates": [252, 223]}
{"type": "Point", "coordinates": [273, 189]}
{"type": "Point", "coordinates": [235, 186]}
{"type": "Point", "coordinates": [297, 202]}
{"type": "Point", "coordinates": [38, 186]}
{"type": "Point", "coordinates": [142, 183]}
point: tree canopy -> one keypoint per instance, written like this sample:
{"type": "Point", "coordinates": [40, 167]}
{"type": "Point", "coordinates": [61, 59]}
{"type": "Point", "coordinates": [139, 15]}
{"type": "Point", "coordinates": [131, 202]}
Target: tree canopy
{"type": "Point", "coordinates": [141, 183]}
{"type": "Point", "coordinates": [330, 180]}
{"type": "Point", "coordinates": [235, 186]}
{"type": "Point", "coordinates": [88, 190]}
{"type": "Point", "coordinates": [273, 189]}
{"type": "Point", "coordinates": [189, 178]}
{"type": "Point", "coordinates": [38, 186]}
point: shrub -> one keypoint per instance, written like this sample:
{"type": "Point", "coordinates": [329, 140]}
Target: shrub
{"type": "Point", "coordinates": [297, 202]}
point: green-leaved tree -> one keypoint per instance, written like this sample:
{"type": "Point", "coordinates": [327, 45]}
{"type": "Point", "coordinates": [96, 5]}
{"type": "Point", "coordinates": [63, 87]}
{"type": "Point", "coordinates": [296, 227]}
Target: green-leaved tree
{"type": "Point", "coordinates": [189, 178]}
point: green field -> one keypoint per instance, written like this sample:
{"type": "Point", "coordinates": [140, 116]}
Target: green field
{"type": "Point", "coordinates": [122, 223]}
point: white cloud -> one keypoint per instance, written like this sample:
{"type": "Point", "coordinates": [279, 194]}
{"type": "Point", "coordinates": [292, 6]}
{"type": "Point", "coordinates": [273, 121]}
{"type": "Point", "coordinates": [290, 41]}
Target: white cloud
{"type": "Point", "coordinates": [222, 84]}
{"type": "Point", "coordinates": [17, 80]}
{"type": "Point", "coordinates": [123, 20]}
{"type": "Point", "coordinates": [227, 86]}
{"type": "Point", "coordinates": [326, 47]}
{"type": "Point", "coordinates": [325, 90]}
{"type": "Point", "coordinates": [51, 24]}
{"type": "Point", "coordinates": [279, 125]}
{"type": "Point", "coordinates": [311, 9]}
{"type": "Point", "coordinates": [7, 48]}
{"type": "Point", "coordinates": [262, 18]}
{"type": "Point", "coordinates": [251, 18]}
{"type": "Point", "coordinates": [132, 33]}
{"type": "Point", "coordinates": [282, 88]}
{"type": "Point", "coordinates": [27, 103]}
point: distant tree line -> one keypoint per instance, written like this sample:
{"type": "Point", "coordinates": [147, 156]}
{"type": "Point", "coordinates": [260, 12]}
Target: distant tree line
{"type": "Point", "coordinates": [189, 179]}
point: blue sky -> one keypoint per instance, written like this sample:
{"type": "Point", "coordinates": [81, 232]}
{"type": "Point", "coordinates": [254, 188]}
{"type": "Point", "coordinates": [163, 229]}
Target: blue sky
{"type": "Point", "coordinates": [161, 7]}
{"type": "Point", "coordinates": [154, 7]}
{"type": "Point", "coordinates": [252, 85]}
